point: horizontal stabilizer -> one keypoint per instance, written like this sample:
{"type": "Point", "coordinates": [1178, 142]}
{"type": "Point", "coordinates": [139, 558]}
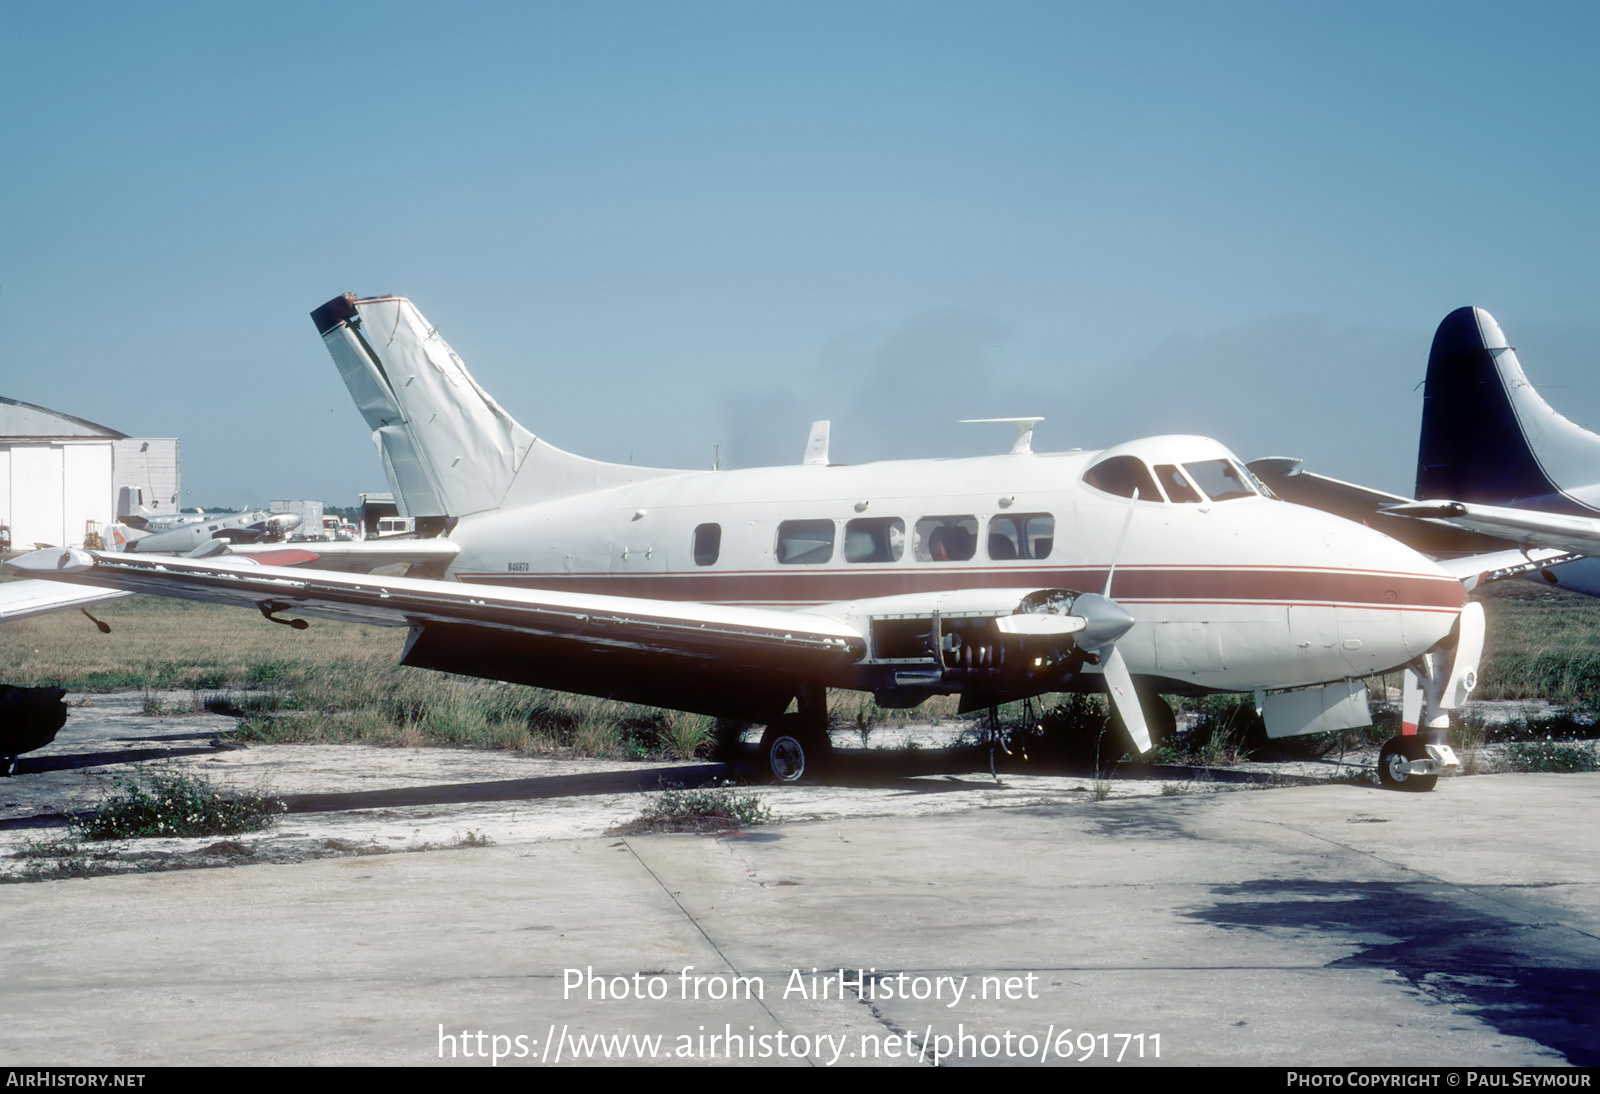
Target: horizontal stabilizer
{"type": "Point", "coordinates": [359, 556]}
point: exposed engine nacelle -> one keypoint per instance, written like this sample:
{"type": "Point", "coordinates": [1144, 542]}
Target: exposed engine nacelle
{"type": "Point", "coordinates": [987, 644]}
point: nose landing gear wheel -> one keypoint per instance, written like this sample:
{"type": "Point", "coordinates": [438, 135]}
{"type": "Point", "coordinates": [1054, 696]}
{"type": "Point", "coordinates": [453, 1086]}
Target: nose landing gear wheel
{"type": "Point", "coordinates": [1397, 753]}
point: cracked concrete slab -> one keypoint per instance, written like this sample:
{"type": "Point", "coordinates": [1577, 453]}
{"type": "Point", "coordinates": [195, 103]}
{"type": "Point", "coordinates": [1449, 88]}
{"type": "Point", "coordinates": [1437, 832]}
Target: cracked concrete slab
{"type": "Point", "coordinates": [1319, 925]}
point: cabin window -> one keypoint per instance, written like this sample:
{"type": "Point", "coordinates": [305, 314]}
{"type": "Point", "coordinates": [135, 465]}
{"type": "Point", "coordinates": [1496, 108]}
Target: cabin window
{"type": "Point", "coordinates": [805, 542]}
{"type": "Point", "coordinates": [1220, 479]}
{"type": "Point", "coordinates": [1177, 487]}
{"type": "Point", "coordinates": [707, 544]}
{"type": "Point", "coordinates": [1021, 535]}
{"type": "Point", "coordinates": [1123, 476]}
{"type": "Point", "coordinates": [874, 539]}
{"type": "Point", "coordinates": [946, 539]}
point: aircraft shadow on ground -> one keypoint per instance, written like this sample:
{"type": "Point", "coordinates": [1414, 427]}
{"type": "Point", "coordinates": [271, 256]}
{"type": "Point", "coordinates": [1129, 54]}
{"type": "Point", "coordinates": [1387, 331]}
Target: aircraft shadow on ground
{"type": "Point", "coordinates": [72, 761]}
{"type": "Point", "coordinates": [967, 767]}
{"type": "Point", "coordinates": [1535, 980]}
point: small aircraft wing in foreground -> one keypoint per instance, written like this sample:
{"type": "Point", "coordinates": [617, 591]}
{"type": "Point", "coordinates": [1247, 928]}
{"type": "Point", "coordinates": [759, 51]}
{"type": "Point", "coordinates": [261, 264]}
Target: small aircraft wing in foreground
{"type": "Point", "coordinates": [26, 599]}
{"type": "Point", "coordinates": [1154, 567]}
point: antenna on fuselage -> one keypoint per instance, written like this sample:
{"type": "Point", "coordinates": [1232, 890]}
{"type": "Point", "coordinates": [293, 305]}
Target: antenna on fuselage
{"type": "Point", "coordinates": [1024, 438]}
{"type": "Point", "coordinates": [817, 444]}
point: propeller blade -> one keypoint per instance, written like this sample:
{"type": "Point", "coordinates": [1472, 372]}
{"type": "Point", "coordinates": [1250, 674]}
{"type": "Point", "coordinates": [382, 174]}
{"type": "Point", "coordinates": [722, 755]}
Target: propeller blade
{"type": "Point", "coordinates": [1119, 685]}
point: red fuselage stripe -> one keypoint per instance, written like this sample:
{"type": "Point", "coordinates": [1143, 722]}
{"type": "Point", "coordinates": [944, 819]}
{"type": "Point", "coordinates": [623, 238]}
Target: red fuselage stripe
{"type": "Point", "coordinates": [814, 586]}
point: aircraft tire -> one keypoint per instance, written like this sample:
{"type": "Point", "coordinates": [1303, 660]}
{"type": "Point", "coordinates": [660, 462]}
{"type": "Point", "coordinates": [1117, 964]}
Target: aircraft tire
{"type": "Point", "coordinates": [1396, 751]}
{"type": "Point", "coordinates": [1159, 717]}
{"type": "Point", "coordinates": [791, 753]}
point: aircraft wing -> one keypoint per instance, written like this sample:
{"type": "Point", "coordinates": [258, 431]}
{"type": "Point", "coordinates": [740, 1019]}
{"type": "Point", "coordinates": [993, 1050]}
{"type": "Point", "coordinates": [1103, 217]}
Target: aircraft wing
{"type": "Point", "coordinates": [739, 637]}
{"type": "Point", "coordinates": [1375, 508]}
{"type": "Point", "coordinates": [1475, 570]}
{"type": "Point", "coordinates": [725, 660]}
{"type": "Point", "coordinates": [24, 599]}
{"type": "Point", "coordinates": [1530, 527]}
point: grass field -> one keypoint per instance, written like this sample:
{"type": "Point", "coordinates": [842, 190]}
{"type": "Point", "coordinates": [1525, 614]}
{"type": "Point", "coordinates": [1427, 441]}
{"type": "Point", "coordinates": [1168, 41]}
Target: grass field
{"type": "Point", "coordinates": [339, 682]}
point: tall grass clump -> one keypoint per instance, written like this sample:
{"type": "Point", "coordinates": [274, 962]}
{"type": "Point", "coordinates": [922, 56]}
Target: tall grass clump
{"type": "Point", "coordinates": [1571, 680]}
{"type": "Point", "coordinates": [384, 704]}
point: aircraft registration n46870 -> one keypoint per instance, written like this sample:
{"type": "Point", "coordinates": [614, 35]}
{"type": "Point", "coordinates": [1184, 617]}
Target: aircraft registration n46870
{"type": "Point", "coordinates": [1159, 566]}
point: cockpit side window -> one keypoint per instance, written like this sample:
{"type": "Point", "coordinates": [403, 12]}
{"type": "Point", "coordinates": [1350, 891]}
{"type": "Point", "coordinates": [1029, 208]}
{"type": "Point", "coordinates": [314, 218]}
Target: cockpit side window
{"type": "Point", "coordinates": [1220, 479]}
{"type": "Point", "coordinates": [1123, 476]}
{"type": "Point", "coordinates": [1178, 488]}
{"type": "Point", "coordinates": [946, 539]}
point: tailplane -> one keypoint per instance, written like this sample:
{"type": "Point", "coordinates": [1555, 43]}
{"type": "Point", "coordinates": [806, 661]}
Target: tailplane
{"type": "Point", "coordinates": [448, 449]}
{"type": "Point", "coordinates": [1488, 436]}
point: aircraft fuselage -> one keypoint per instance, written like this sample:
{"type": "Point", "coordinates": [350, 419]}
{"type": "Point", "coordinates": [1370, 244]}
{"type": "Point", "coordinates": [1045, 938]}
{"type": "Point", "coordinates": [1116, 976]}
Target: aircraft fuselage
{"type": "Point", "coordinates": [1244, 593]}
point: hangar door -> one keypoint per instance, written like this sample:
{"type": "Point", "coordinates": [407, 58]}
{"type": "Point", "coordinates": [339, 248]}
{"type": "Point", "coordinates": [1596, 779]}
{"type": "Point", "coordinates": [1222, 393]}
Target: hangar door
{"type": "Point", "coordinates": [55, 489]}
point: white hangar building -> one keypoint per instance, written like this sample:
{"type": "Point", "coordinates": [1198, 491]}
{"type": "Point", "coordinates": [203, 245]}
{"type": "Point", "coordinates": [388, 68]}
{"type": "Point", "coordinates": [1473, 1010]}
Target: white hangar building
{"type": "Point", "coordinates": [59, 473]}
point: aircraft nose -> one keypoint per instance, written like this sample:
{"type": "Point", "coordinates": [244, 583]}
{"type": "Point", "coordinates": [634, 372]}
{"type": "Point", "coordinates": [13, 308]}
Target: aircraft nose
{"type": "Point", "coordinates": [1427, 599]}
{"type": "Point", "coordinates": [1380, 605]}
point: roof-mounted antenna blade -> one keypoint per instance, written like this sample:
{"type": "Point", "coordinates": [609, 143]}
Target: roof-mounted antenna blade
{"type": "Point", "coordinates": [817, 444]}
{"type": "Point", "coordinates": [1024, 439]}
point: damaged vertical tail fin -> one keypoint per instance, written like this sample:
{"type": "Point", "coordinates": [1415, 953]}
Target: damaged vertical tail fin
{"type": "Point", "coordinates": [449, 450]}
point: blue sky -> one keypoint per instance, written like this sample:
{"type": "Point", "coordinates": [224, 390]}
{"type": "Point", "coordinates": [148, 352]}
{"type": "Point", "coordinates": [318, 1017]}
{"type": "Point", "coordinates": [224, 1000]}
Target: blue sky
{"type": "Point", "coordinates": [652, 229]}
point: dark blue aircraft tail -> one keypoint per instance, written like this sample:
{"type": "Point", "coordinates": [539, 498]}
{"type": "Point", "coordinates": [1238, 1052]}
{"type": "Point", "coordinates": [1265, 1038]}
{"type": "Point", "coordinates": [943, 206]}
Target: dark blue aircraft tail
{"type": "Point", "coordinates": [1487, 436]}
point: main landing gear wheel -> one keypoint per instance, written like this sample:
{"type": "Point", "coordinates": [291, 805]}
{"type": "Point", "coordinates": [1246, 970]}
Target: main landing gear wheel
{"type": "Point", "coordinates": [1397, 753]}
{"type": "Point", "coordinates": [792, 752]}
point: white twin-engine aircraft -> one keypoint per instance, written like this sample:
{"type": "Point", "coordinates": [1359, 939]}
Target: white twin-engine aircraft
{"type": "Point", "coordinates": [1157, 566]}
